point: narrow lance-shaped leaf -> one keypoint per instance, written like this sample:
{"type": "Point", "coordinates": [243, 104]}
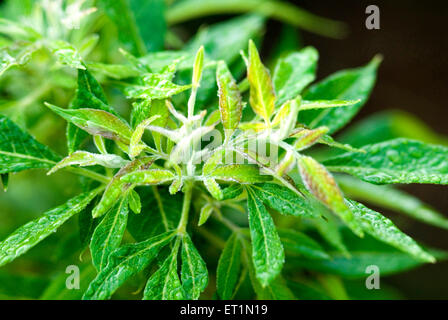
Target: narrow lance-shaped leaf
{"type": "Point", "coordinates": [232, 191]}
{"type": "Point", "coordinates": [164, 284]}
{"type": "Point", "coordinates": [20, 151]}
{"type": "Point", "coordinates": [345, 85]}
{"type": "Point", "coordinates": [136, 147]}
{"type": "Point", "coordinates": [198, 67]}
{"type": "Point", "coordinates": [323, 186]}
{"type": "Point", "coordinates": [218, 47]}
{"type": "Point", "coordinates": [155, 86]}
{"type": "Point", "coordinates": [151, 176]}
{"type": "Point", "coordinates": [384, 230]}
{"type": "Point", "coordinates": [214, 188]}
{"type": "Point", "coordinates": [228, 268]}
{"type": "Point", "coordinates": [66, 54]}
{"type": "Point", "coordinates": [395, 161]}
{"type": "Point", "coordinates": [267, 250]}
{"type": "Point", "coordinates": [96, 122]}
{"type": "Point", "coordinates": [299, 243]}
{"type": "Point", "coordinates": [284, 200]}
{"type": "Point", "coordinates": [307, 138]}
{"type": "Point", "coordinates": [119, 11]}
{"type": "Point", "coordinates": [391, 198]}
{"type": "Point", "coordinates": [88, 94]}
{"type": "Point", "coordinates": [325, 104]}
{"type": "Point", "coordinates": [329, 141]}
{"type": "Point", "coordinates": [194, 270]}
{"type": "Point", "coordinates": [10, 57]}
{"type": "Point", "coordinates": [123, 263]}
{"type": "Point", "coordinates": [150, 20]}
{"type": "Point", "coordinates": [84, 158]}
{"type": "Point", "coordinates": [354, 267]}
{"type": "Point", "coordinates": [109, 233]}
{"type": "Point", "coordinates": [262, 96]}
{"type": "Point", "coordinates": [116, 187]}
{"type": "Point", "coordinates": [230, 102]}
{"type": "Point", "coordinates": [294, 72]}
{"type": "Point", "coordinates": [27, 236]}
{"type": "Point", "coordinates": [161, 213]}
{"type": "Point", "coordinates": [206, 212]}
{"type": "Point", "coordinates": [276, 290]}
{"type": "Point", "coordinates": [241, 173]}
{"type": "Point", "coordinates": [135, 202]}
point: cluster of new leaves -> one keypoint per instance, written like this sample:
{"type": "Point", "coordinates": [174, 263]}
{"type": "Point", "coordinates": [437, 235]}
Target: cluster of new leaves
{"type": "Point", "coordinates": [172, 161]}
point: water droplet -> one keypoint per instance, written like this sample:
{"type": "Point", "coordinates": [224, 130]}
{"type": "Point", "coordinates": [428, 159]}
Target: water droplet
{"type": "Point", "coordinates": [393, 156]}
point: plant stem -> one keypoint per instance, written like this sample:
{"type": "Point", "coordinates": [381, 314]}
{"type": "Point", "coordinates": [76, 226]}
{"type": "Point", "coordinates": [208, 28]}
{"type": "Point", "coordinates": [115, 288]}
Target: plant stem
{"type": "Point", "coordinates": [182, 227]}
{"type": "Point", "coordinates": [284, 12]}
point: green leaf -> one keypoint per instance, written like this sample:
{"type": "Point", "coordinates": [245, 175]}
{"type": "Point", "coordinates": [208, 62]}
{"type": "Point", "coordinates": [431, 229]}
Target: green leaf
{"type": "Point", "coordinates": [267, 253]}
{"type": "Point", "coordinates": [325, 104]}
{"type": "Point", "coordinates": [276, 290]}
{"type": "Point", "coordinates": [214, 188]}
{"type": "Point", "coordinates": [96, 122]}
{"type": "Point", "coordinates": [230, 101]}
{"type": "Point", "coordinates": [116, 188]}
{"type": "Point", "coordinates": [329, 141]}
{"type": "Point", "coordinates": [155, 86]}
{"type": "Point", "coordinates": [329, 228]}
{"type": "Point", "coordinates": [134, 201]}
{"type": "Point", "coordinates": [88, 94]}
{"type": "Point", "coordinates": [119, 11]}
{"type": "Point", "coordinates": [262, 95]}
{"type": "Point", "coordinates": [29, 235]}
{"type": "Point", "coordinates": [388, 125]}
{"type": "Point", "coordinates": [84, 158]}
{"type": "Point", "coordinates": [384, 230]}
{"type": "Point", "coordinates": [390, 198]}
{"type": "Point", "coordinates": [298, 243]}
{"type": "Point", "coordinates": [228, 268]}
{"type": "Point", "coordinates": [294, 72]}
{"type": "Point", "coordinates": [20, 151]}
{"type": "Point", "coordinates": [123, 263]}
{"type": "Point", "coordinates": [135, 146]}
{"type": "Point", "coordinates": [160, 213]}
{"type": "Point", "coordinates": [224, 40]}
{"type": "Point", "coordinates": [150, 19]}
{"type": "Point", "coordinates": [354, 267]}
{"type": "Point", "coordinates": [395, 161]}
{"type": "Point", "coordinates": [58, 290]}
{"type": "Point", "coordinates": [151, 176]}
{"type": "Point", "coordinates": [10, 57]}
{"type": "Point", "coordinates": [284, 200]}
{"type": "Point", "coordinates": [323, 186]}
{"type": "Point", "coordinates": [344, 85]}
{"type": "Point", "coordinates": [240, 173]}
{"type": "Point", "coordinates": [232, 191]}
{"type": "Point", "coordinates": [198, 67]}
{"type": "Point", "coordinates": [165, 284]}
{"type": "Point", "coordinates": [306, 138]}
{"type": "Point", "coordinates": [282, 11]}
{"type": "Point", "coordinates": [206, 212]}
{"type": "Point", "coordinates": [109, 233]}
{"type": "Point", "coordinates": [66, 54]}
{"type": "Point", "coordinates": [194, 270]}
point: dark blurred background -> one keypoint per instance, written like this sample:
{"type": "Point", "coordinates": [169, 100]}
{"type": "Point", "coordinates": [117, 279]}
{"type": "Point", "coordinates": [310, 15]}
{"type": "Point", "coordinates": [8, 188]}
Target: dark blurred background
{"type": "Point", "coordinates": [413, 77]}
